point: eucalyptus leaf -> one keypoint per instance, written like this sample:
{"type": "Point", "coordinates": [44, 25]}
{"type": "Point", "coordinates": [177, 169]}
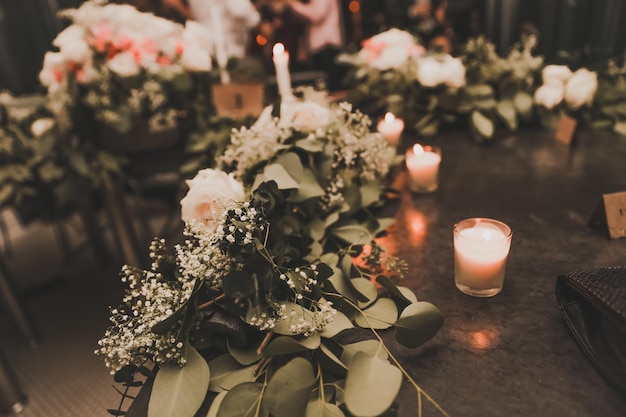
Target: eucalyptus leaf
{"type": "Point", "coordinates": [479, 91]}
{"type": "Point", "coordinates": [6, 191]}
{"type": "Point", "coordinates": [524, 104]}
{"type": "Point", "coordinates": [317, 408]}
{"type": "Point", "coordinates": [372, 385]}
{"type": "Point", "coordinates": [292, 164]}
{"type": "Point", "coordinates": [278, 173]}
{"type": "Point", "coordinates": [244, 356]}
{"type": "Point", "coordinates": [366, 288]}
{"type": "Point", "coordinates": [380, 315]}
{"type": "Point", "coordinates": [340, 323]}
{"type": "Point", "coordinates": [352, 234]}
{"type": "Point", "coordinates": [310, 145]}
{"type": "Point", "coordinates": [226, 373]}
{"type": "Point", "coordinates": [371, 347]}
{"type": "Point", "coordinates": [308, 187]}
{"type": "Point", "coordinates": [506, 111]}
{"type": "Point", "coordinates": [285, 345]}
{"type": "Point", "coordinates": [482, 125]}
{"type": "Point", "coordinates": [216, 403]}
{"type": "Point", "coordinates": [244, 400]}
{"type": "Point", "coordinates": [395, 292]}
{"type": "Point", "coordinates": [620, 127]}
{"type": "Point", "coordinates": [288, 390]}
{"type": "Point", "coordinates": [418, 323]}
{"type": "Point", "coordinates": [329, 361]}
{"type": "Point", "coordinates": [50, 172]}
{"type": "Point", "coordinates": [179, 391]}
{"type": "Point", "coordinates": [370, 193]}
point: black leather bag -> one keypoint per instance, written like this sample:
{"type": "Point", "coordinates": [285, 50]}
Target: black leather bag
{"type": "Point", "coordinates": [593, 304]}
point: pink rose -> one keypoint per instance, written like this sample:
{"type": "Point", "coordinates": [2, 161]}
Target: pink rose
{"type": "Point", "coordinates": [210, 191]}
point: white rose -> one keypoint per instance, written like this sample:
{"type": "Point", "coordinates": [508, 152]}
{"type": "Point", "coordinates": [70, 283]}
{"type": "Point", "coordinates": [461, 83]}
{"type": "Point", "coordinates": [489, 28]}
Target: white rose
{"type": "Point", "coordinates": [41, 126]}
{"type": "Point", "coordinates": [555, 74]}
{"type": "Point", "coordinates": [305, 115]}
{"type": "Point", "coordinates": [195, 58]}
{"type": "Point", "coordinates": [197, 34]}
{"type": "Point", "coordinates": [54, 66]}
{"type": "Point", "coordinates": [549, 95]}
{"type": "Point", "coordinates": [453, 72]}
{"type": "Point", "coordinates": [429, 71]}
{"type": "Point", "coordinates": [395, 37]}
{"type": "Point", "coordinates": [210, 191]}
{"type": "Point", "coordinates": [391, 57]}
{"type": "Point", "coordinates": [581, 88]}
{"type": "Point", "coordinates": [124, 64]}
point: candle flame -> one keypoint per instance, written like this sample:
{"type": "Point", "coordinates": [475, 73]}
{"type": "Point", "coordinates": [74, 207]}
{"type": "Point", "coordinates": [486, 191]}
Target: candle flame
{"type": "Point", "coordinates": [487, 235]}
{"type": "Point", "coordinates": [389, 117]}
{"type": "Point", "coordinates": [278, 49]}
{"type": "Point", "coordinates": [418, 149]}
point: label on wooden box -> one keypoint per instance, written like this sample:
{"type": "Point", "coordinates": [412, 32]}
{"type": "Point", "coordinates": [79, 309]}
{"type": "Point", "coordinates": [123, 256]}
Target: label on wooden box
{"type": "Point", "coordinates": [611, 212]}
{"type": "Point", "coordinates": [566, 129]}
{"type": "Point", "coordinates": [238, 101]}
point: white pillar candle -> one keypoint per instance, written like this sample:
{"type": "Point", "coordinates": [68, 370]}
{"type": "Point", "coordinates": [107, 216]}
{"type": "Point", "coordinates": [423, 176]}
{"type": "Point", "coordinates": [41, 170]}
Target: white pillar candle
{"type": "Point", "coordinates": [481, 249]}
{"type": "Point", "coordinates": [423, 166]}
{"type": "Point", "coordinates": [219, 44]}
{"type": "Point", "coordinates": [391, 128]}
{"type": "Point", "coordinates": [283, 79]}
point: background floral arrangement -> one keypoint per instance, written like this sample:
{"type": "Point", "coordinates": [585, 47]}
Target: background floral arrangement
{"type": "Point", "coordinates": [428, 92]}
{"type": "Point", "coordinates": [263, 303]}
{"type": "Point", "coordinates": [127, 66]}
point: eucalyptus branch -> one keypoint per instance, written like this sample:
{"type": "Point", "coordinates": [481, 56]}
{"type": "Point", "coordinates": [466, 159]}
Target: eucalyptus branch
{"type": "Point", "coordinates": [418, 389]}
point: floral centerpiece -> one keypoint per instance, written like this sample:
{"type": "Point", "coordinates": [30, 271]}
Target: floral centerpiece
{"type": "Point", "coordinates": [270, 304]}
{"type": "Point", "coordinates": [127, 67]}
{"type": "Point", "coordinates": [394, 72]}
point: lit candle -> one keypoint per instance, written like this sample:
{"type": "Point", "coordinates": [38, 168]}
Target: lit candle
{"type": "Point", "coordinates": [481, 249]}
{"type": "Point", "coordinates": [423, 166]}
{"type": "Point", "coordinates": [391, 128]}
{"type": "Point", "coordinates": [283, 79]}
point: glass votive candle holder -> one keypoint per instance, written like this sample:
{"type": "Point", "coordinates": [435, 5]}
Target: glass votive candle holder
{"type": "Point", "coordinates": [391, 127]}
{"type": "Point", "coordinates": [481, 250]}
{"type": "Point", "coordinates": [422, 163]}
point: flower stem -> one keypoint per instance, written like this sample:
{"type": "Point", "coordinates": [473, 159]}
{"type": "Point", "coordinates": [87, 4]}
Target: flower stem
{"type": "Point", "coordinates": [211, 302]}
{"type": "Point", "coordinates": [266, 340]}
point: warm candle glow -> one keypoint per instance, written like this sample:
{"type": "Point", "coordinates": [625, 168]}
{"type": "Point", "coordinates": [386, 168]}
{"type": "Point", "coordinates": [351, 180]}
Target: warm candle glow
{"type": "Point", "coordinates": [487, 235]}
{"type": "Point", "coordinates": [418, 149]}
{"type": "Point", "coordinates": [389, 117]}
{"type": "Point", "coordinates": [278, 49]}
{"type": "Point", "coordinates": [391, 128]}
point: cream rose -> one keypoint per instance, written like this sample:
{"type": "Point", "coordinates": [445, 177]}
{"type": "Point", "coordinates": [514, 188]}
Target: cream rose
{"type": "Point", "coordinates": [124, 64]}
{"type": "Point", "coordinates": [581, 88]}
{"type": "Point", "coordinates": [210, 191]}
{"type": "Point", "coordinates": [549, 95]}
{"type": "Point", "coordinates": [555, 74]}
{"type": "Point", "coordinates": [429, 71]}
{"type": "Point", "coordinates": [304, 115]}
{"type": "Point", "coordinates": [453, 72]}
{"type": "Point", "coordinates": [53, 71]}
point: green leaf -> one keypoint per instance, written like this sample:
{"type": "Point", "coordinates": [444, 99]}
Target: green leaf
{"type": "Point", "coordinates": [179, 391]}
{"type": "Point", "coordinates": [479, 91]}
{"type": "Point", "coordinates": [380, 315]}
{"type": "Point", "coordinates": [482, 125]}
{"type": "Point", "coordinates": [372, 385]}
{"type": "Point", "coordinates": [316, 408]}
{"type": "Point", "coordinates": [6, 191]}
{"type": "Point", "coordinates": [417, 324]}
{"type": "Point", "coordinates": [340, 323]}
{"type": "Point", "coordinates": [370, 193]}
{"type": "Point", "coordinates": [308, 187]}
{"type": "Point", "coordinates": [78, 162]}
{"type": "Point", "coordinates": [352, 234]}
{"type": "Point", "coordinates": [244, 356]}
{"type": "Point", "coordinates": [244, 400]}
{"type": "Point", "coordinates": [394, 291]}
{"type": "Point", "coordinates": [310, 145]}
{"type": "Point", "coordinates": [368, 290]}
{"type": "Point", "coordinates": [620, 127]}
{"type": "Point", "coordinates": [278, 173]}
{"type": "Point", "coordinates": [370, 347]}
{"type": "Point", "coordinates": [285, 345]}
{"type": "Point", "coordinates": [524, 104]}
{"type": "Point", "coordinates": [507, 113]}
{"type": "Point", "coordinates": [288, 390]}
{"type": "Point", "coordinates": [227, 373]}
{"type": "Point", "coordinates": [50, 172]}
{"type": "Point", "coordinates": [216, 403]}
{"type": "Point", "coordinates": [329, 361]}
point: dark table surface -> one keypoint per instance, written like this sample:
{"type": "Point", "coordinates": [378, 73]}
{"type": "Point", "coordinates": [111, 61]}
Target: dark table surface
{"type": "Point", "coordinates": [511, 354]}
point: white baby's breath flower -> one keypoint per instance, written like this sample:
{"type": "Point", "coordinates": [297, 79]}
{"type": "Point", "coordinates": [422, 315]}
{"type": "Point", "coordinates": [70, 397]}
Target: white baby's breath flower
{"type": "Point", "coordinates": [41, 126]}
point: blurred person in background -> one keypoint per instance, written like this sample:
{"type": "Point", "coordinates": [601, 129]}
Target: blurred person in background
{"type": "Point", "coordinates": [324, 36]}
